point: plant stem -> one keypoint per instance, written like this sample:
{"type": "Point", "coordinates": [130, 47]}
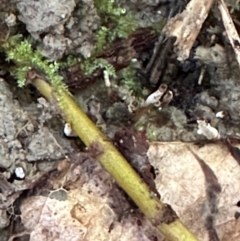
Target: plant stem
{"type": "Point", "coordinates": [116, 165]}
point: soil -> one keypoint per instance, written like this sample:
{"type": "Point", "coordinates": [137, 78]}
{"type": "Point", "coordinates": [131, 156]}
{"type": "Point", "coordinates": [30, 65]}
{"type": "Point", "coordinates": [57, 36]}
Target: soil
{"type": "Point", "coordinates": [31, 130]}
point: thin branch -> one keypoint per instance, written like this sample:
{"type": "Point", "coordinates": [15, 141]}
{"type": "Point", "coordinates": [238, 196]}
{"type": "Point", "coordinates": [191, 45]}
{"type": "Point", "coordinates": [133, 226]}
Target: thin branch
{"type": "Point", "coordinates": [160, 214]}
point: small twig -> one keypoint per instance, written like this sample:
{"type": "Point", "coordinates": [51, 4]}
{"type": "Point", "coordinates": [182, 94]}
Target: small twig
{"type": "Point", "coordinates": [161, 215]}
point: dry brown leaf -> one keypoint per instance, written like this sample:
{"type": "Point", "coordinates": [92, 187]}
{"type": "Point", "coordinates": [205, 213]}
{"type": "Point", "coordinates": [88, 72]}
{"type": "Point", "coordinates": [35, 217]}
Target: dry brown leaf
{"type": "Point", "coordinates": [186, 26]}
{"type": "Point", "coordinates": [83, 216]}
{"type": "Point", "coordinates": [49, 219]}
{"type": "Point", "coordinates": [181, 183]}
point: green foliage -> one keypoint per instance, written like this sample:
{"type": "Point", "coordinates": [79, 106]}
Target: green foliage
{"type": "Point", "coordinates": [116, 23]}
{"type": "Point", "coordinates": [107, 8]}
{"type": "Point", "coordinates": [152, 132]}
{"type": "Point", "coordinates": [90, 65]}
{"type": "Point", "coordinates": [22, 54]}
{"type": "Point", "coordinates": [102, 36]}
{"type": "Point", "coordinates": [158, 27]}
{"type": "Point", "coordinates": [69, 61]}
{"type": "Point", "coordinates": [130, 80]}
{"type": "Point", "coordinates": [126, 24]}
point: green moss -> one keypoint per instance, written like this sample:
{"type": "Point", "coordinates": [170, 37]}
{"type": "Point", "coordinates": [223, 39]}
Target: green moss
{"type": "Point", "coordinates": [69, 61]}
{"type": "Point", "coordinates": [115, 23]}
{"type": "Point", "coordinates": [90, 65]}
{"type": "Point", "coordinates": [108, 8]}
{"type": "Point", "coordinates": [131, 80]}
{"type": "Point", "coordinates": [126, 24]}
{"type": "Point", "coordinates": [22, 54]}
{"type": "Point", "coordinates": [102, 39]}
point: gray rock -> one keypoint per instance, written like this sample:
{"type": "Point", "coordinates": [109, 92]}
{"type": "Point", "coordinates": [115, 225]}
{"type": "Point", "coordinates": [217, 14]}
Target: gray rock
{"type": "Point", "coordinates": [147, 13]}
{"type": "Point", "coordinates": [12, 121]}
{"type": "Point", "coordinates": [19, 140]}
{"type": "Point", "coordinates": [40, 16]}
{"type": "Point", "coordinates": [206, 99]}
{"type": "Point", "coordinates": [229, 95]}
{"type": "Point", "coordinates": [43, 145]}
{"type": "Point", "coordinates": [69, 27]}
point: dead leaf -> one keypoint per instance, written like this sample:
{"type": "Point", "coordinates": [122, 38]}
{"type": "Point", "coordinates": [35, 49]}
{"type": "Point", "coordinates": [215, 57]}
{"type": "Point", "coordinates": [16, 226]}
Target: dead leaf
{"type": "Point", "coordinates": [182, 184]}
{"type": "Point", "coordinates": [82, 216]}
{"type": "Point", "coordinates": [93, 208]}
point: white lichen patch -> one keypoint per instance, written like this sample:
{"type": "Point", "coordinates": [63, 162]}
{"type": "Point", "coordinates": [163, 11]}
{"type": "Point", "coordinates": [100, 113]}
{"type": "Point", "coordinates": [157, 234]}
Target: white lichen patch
{"type": "Point", "coordinates": [67, 129]}
{"type": "Point", "coordinates": [207, 130]}
{"type": "Point", "coordinates": [20, 173]}
{"type": "Point", "coordinates": [155, 96]}
{"type": "Point", "coordinates": [221, 114]}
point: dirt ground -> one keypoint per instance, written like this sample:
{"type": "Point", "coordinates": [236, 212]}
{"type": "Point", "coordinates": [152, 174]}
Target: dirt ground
{"type": "Point", "coordinates": [161, 80]}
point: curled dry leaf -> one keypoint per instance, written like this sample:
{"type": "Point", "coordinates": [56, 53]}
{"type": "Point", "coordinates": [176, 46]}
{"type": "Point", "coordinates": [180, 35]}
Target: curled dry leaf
{"type": "Point", "coordinates": [184, 183]}
{"type": "Point", "coordinates": [186, 26]}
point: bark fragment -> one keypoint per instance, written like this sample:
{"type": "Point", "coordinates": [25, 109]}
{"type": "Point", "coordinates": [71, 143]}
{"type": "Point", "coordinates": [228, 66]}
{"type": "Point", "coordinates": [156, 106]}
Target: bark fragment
{"type": "Point", "coordinates": [187, 25]}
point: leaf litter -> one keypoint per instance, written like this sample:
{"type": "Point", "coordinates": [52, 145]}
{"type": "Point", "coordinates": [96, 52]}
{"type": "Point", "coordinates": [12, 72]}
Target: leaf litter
{"type": "Point", "coordinates": [200, 183]}
{"type": "Point", "coordinates": [85, 204]}
{"type": "Point", "coordinates": [202, 186]}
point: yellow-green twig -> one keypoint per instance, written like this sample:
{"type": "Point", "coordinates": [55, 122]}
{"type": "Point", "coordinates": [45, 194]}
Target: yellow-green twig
{"type": "Point", "coordinates": [117, 166]}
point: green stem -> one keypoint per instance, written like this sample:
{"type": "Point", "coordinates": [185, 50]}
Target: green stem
{"type": "Point", "coordinates": [115, 164]}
